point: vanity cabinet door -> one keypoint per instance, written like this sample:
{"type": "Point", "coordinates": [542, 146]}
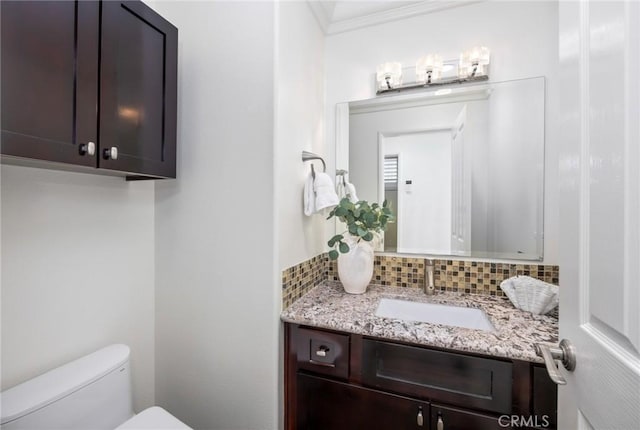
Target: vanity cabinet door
{"type": "Point", "coordinates": [324, 404]}
{"type": "Point", "coordinates": [446, 418]}
{"type": "Point", "coordinates": [49, 79]}
{"type": "Point", "coordinates": [137, 90]}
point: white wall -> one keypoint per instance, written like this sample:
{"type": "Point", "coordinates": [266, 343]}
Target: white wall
{"type": "Point", "coordinates": [299, 126]}
{"type": "Point", "coordinates": [523, 39]}
{"type": "Point", "coordinates": [77, 272]}
{"type": "Point", "coordinates": [217, 301]}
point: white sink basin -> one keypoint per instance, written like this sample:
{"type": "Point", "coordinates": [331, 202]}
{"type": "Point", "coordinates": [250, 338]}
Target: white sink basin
{"type": "Point", "coordinates": [434, 314]}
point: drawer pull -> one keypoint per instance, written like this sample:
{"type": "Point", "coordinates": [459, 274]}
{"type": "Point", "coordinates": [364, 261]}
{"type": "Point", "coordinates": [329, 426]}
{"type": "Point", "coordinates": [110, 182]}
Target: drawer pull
{"type": "Point", "coordinates": [320, 363]}
{"type": "Point", "coordinates": [440, 425]}
{"type": "Point", "coordinates": [322, 351]}
{"type": "Point", "coordinates": [420, 418]}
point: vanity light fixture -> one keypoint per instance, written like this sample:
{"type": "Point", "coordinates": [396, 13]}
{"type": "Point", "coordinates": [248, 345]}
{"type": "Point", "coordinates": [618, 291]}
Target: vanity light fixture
{"type": "Point", "coordinates": [389, 76]}
{"type": "Point", "coordinates": [431, 70]}
{"type": "Point", "coordinates": [473, 62]}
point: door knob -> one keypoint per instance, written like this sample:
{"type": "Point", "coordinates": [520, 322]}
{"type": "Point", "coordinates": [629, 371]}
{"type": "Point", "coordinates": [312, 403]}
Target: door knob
{"type": "Point", "coordinates": [565, 353]}
{"type": "Point", "coordinates": [110, 153]}
{"type": "Point", "coordinates": [88, 148]}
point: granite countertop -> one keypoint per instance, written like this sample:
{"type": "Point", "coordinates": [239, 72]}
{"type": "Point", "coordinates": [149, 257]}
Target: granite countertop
{"type": "Point", "coordinates": [329, 306]}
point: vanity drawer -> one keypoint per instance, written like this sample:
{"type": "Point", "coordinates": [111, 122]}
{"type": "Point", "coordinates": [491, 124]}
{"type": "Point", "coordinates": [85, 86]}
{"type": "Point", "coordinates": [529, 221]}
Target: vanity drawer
{"type": "Point", "coordinates": [323, 352]}
{"type": "Point", "coordinates": [475, 382]}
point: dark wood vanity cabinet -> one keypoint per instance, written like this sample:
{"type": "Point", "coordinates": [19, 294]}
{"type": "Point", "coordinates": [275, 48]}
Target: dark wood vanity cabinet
{"type": "Point", "coordinates": [326, 404]}
{"type": "Point", "coordinates": [89, 84]}
{"type": "Point", "coordinates": [337, 380]}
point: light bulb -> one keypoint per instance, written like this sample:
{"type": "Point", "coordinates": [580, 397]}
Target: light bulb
{"type": "Point", "coordinates": [429, 68]}
{"type": "Point", "coordinates": [389, 75]}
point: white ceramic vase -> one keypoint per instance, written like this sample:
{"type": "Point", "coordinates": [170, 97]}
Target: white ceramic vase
{"type": "Point", "coordinates": [355, 268]}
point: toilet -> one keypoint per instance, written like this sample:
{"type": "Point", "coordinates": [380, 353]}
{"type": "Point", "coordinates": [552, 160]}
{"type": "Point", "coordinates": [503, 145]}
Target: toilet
{"type": "Point", "coordinates": [90, 393]}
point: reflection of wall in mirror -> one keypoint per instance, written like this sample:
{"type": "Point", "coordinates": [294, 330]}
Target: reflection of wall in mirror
{"type": "Point", "coordinates": [515, 173]}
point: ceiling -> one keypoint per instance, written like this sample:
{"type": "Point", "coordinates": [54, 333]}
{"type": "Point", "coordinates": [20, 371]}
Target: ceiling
{"type": "Point", "coordinates": [345, 15]}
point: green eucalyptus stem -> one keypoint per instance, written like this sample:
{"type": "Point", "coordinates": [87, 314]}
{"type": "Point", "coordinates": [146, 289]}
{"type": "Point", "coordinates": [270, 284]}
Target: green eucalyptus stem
{"type": "Point", "coordinates": [363, 221]}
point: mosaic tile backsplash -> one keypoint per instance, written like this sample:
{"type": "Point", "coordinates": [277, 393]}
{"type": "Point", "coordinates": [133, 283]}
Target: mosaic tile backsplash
{"type": "Point", "coordinates": [299, 279]}
{"type": "Point", "coordinates": [449, 275]}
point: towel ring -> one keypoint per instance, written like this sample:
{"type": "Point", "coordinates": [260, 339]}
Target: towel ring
{"type": "Point", "coordinates": [308, 156]}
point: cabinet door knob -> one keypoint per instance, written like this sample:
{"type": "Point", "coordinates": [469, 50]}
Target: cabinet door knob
{"type": "Point", "coordinates": [420, 418]}
{"type": "Point", "coordinates": [440, 425]}
{"type": "Point", "coordinates": [110, 153]}
{"type": "Point", "coordinates": [88, 148]}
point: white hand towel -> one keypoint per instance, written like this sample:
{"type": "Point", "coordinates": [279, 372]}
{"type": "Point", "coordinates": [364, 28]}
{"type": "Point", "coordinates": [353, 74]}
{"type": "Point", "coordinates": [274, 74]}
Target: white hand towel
{"type": "Point", "coordinates": [309, 196]}
{"type": "Point", "coordinates": [351, 192]}
{"type": "Point", "coordinates": [326, 196]}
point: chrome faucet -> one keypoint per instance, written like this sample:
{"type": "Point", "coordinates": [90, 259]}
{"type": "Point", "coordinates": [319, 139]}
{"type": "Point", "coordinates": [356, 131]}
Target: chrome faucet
{"type": "Point", "coordinates": [429, 286]}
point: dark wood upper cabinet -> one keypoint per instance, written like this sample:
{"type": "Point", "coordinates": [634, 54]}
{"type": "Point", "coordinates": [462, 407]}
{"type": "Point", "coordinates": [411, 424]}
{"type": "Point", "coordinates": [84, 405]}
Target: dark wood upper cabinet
{"type": "Point", "coordinates": [49, 79]}
{"type": "Point", "coordinates": [138, 71]}
{"type": "Point", "coordinates": [91, 84]}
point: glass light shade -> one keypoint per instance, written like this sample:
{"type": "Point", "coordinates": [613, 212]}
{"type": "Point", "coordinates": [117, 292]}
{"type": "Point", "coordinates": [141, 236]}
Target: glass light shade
{"type": "Point", "coordinates": [391, 71]}
{"type": "Point", "coordinates": [431, 64]}
{"type": "Point", "coordinates": [475, 58]}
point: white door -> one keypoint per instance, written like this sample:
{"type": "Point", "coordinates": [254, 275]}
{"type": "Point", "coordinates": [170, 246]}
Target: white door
{"type": "Point", "coordinates": [599, 213]}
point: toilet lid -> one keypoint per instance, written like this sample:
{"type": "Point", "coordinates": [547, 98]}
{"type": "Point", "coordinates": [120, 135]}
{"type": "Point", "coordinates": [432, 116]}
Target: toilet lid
{"type": "Point", "coordinates": [154, 418]}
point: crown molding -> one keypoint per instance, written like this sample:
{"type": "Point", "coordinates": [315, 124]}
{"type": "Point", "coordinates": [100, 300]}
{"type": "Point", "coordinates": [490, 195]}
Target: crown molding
{"type": "Point", "coordinates": [428, 6]}
{"type": "Point", "coordinates": [321, 13]}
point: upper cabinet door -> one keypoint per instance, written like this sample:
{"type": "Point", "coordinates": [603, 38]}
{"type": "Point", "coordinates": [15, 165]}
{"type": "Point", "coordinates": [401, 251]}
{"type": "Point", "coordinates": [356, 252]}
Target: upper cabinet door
{"type": "Point", "coordinates": [49, 80]}
{"type": "Point", "coordinates": [138, 78]}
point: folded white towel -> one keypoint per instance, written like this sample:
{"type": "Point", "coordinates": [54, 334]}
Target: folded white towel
{"type": "Point", "coordinates": [309, 196]}
{"type": "Point", "coordinates": [326, 196]}
{"type": "Point", "coordinates": [351, 192]}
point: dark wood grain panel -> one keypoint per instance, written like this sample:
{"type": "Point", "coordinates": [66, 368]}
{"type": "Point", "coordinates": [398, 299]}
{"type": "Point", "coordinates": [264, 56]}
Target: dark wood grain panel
{"type": "Point", "coordinates": [49, 79]}
{"type": "Point", "coordinates": [449, 377]}
{"type": "Point", "coordinates": [325, 404]}
{"type": "Point", "coordinates": [138, 89]}
{"type": "Point", "coordinates": [545, 397]}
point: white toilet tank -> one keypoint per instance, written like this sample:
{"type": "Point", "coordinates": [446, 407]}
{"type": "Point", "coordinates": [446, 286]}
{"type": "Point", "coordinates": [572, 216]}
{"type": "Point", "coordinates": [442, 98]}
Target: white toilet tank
{"type": "Point", "coordinates": [91, 393]}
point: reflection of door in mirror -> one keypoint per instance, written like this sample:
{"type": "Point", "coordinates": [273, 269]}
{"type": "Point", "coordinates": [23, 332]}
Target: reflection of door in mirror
{"type": "Point", "coordinates": [424, 189]}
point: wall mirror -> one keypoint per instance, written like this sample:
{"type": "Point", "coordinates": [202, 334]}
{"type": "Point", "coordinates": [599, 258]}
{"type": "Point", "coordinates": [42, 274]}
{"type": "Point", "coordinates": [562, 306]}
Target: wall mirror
{"type": "Point", "coordinates": [463, 167]}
